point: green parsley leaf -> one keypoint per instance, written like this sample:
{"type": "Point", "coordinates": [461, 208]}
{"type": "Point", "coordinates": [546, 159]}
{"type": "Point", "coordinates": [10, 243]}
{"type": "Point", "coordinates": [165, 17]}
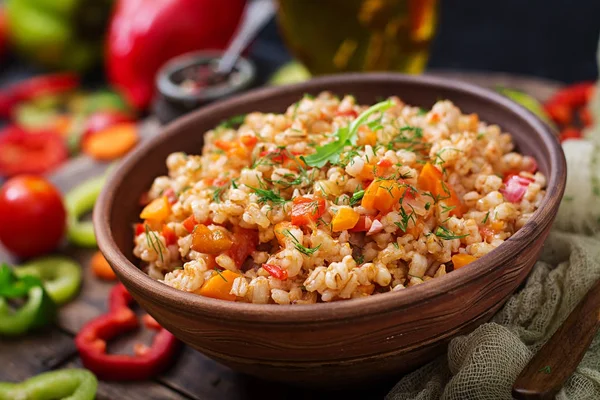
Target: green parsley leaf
{"type": "Point", "coordinates": [345, 136]}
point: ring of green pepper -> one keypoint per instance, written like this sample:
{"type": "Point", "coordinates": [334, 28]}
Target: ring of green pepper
{"type": "Point", "coordinates": [68, 384]}
{"type": "Point", "coordinates": [79, 201]}
{"type": "Point", "coordinates": [38, 310]}
{"type": "Point", "coordinates": [61, 276]}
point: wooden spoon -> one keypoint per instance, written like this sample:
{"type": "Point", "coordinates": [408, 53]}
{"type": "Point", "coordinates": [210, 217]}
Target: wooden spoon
{"type": "Point", "coordinates": [556, 361]}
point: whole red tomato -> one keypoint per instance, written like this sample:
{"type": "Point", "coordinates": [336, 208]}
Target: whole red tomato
{"type": "Point", "coordinates": [32, 216]}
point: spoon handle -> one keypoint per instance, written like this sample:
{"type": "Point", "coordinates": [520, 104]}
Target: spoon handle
{"type": "Point", "coordinates": [256, 16]}
{"type": "Point", "coordinates": [556, 361]}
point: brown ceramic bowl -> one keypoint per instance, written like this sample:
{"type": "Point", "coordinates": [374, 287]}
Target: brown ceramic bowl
{"type": "Point", "coordinates": [342, 342]}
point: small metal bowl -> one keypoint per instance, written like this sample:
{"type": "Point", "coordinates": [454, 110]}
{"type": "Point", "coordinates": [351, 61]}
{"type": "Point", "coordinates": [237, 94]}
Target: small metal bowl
{"type": "Point", "coordinates": [175, 97]}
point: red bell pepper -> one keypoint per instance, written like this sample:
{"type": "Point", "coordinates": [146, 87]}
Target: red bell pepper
{"type": "Point", "coordinates": [244, 243]}
{"type": "Point", "coordinates": [35, 87]}
{"type": "Point", "coordinates": [146, 363]}
{"type": "Point", "coordinates": [30, 153]}
{"type": "Point", "coordinates": [144, 34]}
{"type": "Point", "coordinates": [276, 271]}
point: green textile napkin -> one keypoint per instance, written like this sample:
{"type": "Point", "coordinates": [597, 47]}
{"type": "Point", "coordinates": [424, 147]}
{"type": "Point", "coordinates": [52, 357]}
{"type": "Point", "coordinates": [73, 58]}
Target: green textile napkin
{"type": "Point", "coordinates": [485, 363]}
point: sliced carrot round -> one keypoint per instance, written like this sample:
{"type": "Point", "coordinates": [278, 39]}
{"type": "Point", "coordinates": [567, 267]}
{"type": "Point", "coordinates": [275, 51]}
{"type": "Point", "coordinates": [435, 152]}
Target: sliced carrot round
{"type": "Point", "coordinates": [111, 143]}
{"type": "Point", "coordinates": [101, 268]}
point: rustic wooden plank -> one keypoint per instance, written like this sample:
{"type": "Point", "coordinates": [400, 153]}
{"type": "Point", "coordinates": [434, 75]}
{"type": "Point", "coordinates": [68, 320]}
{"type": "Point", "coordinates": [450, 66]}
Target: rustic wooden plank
{"type": "Point", "coordinates": [29, 355]}
{"type": "Point", "coordinates": [146, 390]}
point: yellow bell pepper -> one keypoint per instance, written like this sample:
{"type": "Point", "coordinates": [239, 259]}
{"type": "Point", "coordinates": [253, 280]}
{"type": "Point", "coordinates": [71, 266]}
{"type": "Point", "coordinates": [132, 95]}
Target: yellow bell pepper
{"type": "Point", "coordinates": [219, 286]}
{"type": "Point", "coordinates": [158, 210]}
{"type": "Point", "coordinates": [346, 218]}
{"type": "Point", "coordinates": [460, 260]}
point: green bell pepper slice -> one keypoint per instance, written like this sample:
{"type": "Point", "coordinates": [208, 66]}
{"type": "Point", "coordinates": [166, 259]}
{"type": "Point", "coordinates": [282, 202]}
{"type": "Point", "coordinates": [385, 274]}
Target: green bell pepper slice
{"type": "Point", "coordinates": [79, 201]}
{"type": "Point", "coordinates": [61, 276]}
{"type": "Point", "coordinates": [37, 311]}
{"type": "Point", "coordinates": [66, 384]}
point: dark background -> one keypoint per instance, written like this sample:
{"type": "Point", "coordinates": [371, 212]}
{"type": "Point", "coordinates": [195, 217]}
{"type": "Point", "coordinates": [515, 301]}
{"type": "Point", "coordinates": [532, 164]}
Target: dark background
{"type": "Point", "coordinates": [554, 39]}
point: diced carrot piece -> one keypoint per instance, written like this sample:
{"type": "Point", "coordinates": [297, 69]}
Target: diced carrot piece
{"type": "Point", "coordinates": [101, 268]}
{"type": "Point", "coordinates": [189, 223]}
{"type": "Point", "coordinates": [431, 180]}
{"type": "Point", "coordinates": [158, 210]}
{"type": "Point", "coordinates": [384, 194]}
{"type": "Point", "coordinates": [111, 143]}
{"type": "Point", "coordinates": [281, 231]}
{"type": "Point", "coordinates": [460, 260]}
{"type": "Point", "coordinates": [346, 218]}
{"type": "Point", "coordinates": [169, 235]}
{"type": "Point", "coordinates": [219, 286]}
{"type": "Point", "coordinates": [306, 210]}
{"type": "Point", "coordinates": [223, 145]}
{"type": "Point", "coordinates": [210, 241]}
{"type": "Point", "coordinates": [367, 173]}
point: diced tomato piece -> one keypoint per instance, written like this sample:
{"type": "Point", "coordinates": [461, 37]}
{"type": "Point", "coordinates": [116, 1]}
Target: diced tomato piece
{"type": "Point", "coordinates": [223, 145]}
{"type": "Point", "coordinates": [347, 113]}
{"type": "Point", "coordinates": [385, 163]}
{"type": "Point", "coordinates": [244, 244]}
{"type": "Point", "coordinates": [276, 156]}
{"type": "Point", "coordinates": [189, 223]}
{"type": "Point", "coordinates": [275, 271]}
{"type": "Point", "coordinates": [306, 210]}
{"type": "Point", "coordinates": [139, 229]}
{"type": "Point", "coordinates": [169, 235]}
{"type": "Point", "coordinates": [363, 225]}
{"type": "Point", "coordinates": [171, 195]}
{"type": "Point", "coordinates": [515, 188]}
{"type": "Point", "coordinates": [249, 140]}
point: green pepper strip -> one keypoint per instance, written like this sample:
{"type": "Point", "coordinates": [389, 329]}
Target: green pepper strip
{"type": "Point", "coordinates": [38, 310]}
{"type": "Point", "coordinates": [61, 276]}
{"type": "Point", "coordinates": [79, 201]}
{"type": "Point", "coordinates": [66, 384]}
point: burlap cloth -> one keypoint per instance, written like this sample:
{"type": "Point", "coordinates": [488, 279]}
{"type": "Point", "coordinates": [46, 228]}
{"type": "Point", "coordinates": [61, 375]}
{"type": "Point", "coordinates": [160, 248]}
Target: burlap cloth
{"type": "Point", "coordinates": [485, 363]}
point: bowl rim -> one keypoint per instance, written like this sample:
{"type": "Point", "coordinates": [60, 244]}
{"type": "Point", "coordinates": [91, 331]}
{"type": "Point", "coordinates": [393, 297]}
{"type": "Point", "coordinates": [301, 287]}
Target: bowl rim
{"type": "Point", "coordinates": [274, 314]}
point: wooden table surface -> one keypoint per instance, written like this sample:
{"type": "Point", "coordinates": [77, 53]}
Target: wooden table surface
{"type": "Point", "coordinates": [193, 376]}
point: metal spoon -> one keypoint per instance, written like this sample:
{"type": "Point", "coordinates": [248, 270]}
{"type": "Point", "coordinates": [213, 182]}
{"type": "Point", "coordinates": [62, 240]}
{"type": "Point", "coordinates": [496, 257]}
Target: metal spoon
{"type": "Point", "coordinates": [256, 16]}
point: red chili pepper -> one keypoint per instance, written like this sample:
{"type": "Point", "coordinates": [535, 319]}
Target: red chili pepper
{"type": "Point", "coordinates": [35, 87]}
{"type": "Point", "coordinates": [306, 210]}
{"type": "Point", "coordinates": [562, 105]}
{"type": "Point", "coordinates": [276, 271]}
{"type": "Point", "coordinates": [244, 243]}
{"type": "Point", "coordinates": [143, 35]}
{"type": "Point", "coordinates": [189, 223]}
{"type": "Point", "coordinates": [30, 153]}
{"type": "Point", "coordinates": [585, 116]}
{"type": "Point", "coordinates": [91, 343]}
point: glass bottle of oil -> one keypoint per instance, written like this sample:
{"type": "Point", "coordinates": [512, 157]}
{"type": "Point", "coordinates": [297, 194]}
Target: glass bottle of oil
{"type": "Point", "coordinates": [331, 36]}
